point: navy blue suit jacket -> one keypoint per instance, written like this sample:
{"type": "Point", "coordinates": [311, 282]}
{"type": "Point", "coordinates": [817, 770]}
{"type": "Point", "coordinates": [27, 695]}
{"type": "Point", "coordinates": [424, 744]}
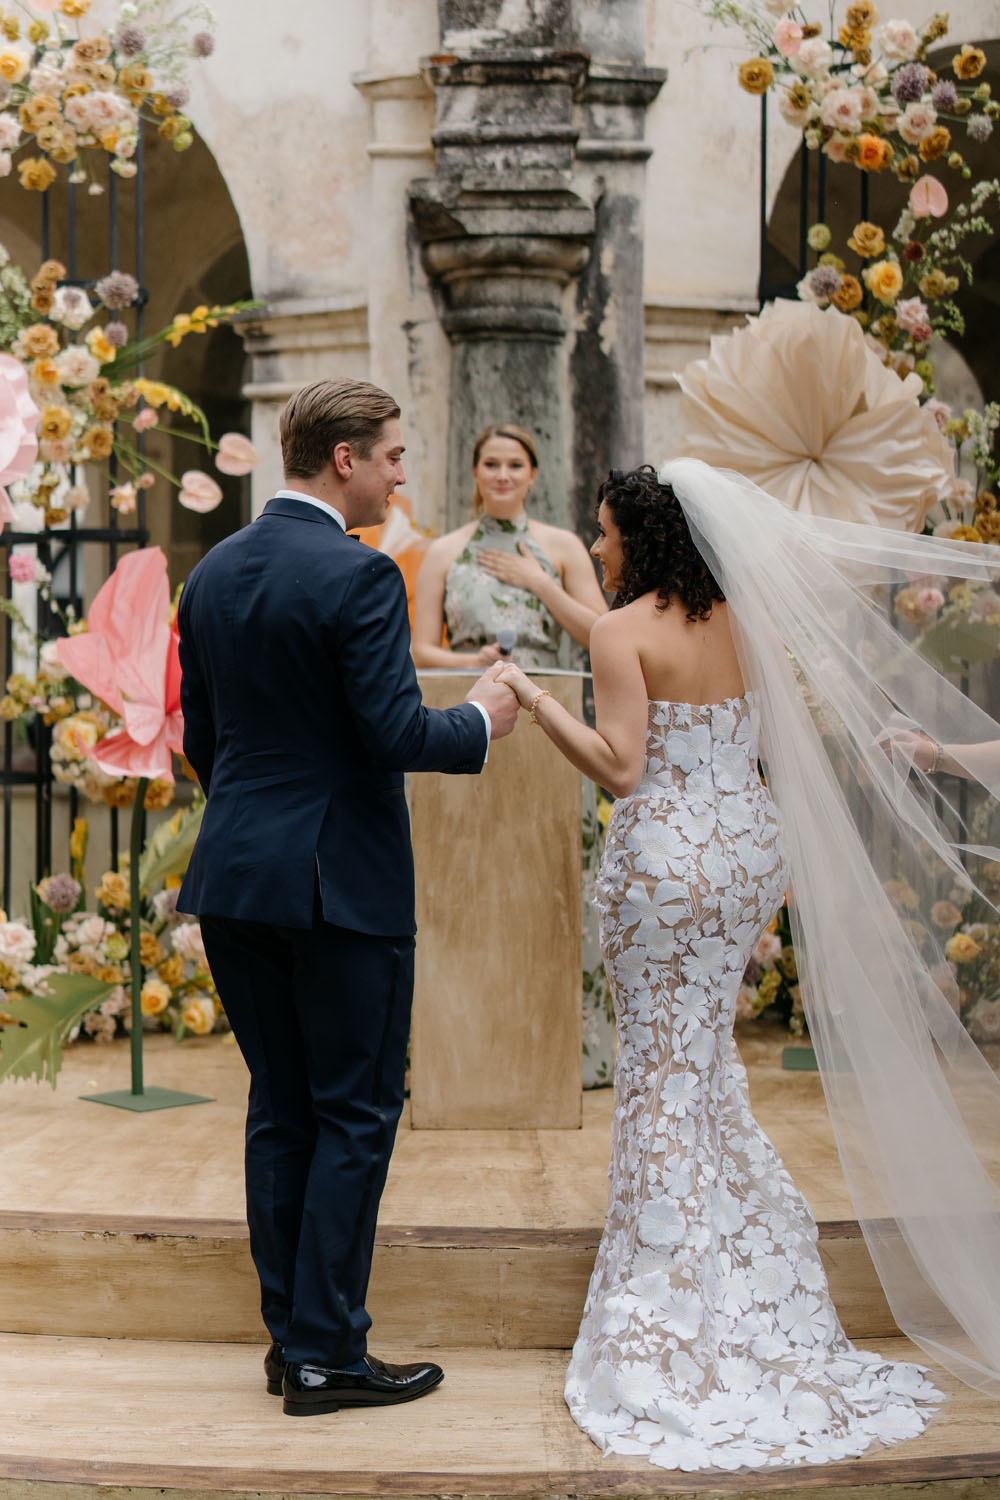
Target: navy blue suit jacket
{"type": "Point", "coordinates": [301, 712]}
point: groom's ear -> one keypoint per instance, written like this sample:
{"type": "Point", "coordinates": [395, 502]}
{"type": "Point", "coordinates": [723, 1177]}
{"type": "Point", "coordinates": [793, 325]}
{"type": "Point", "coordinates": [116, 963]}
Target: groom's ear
{"type": "Point", "coordinates": [342, 460]}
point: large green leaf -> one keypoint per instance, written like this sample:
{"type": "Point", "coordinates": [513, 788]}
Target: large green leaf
{"type": "Point", "coordinates": [949, 645]}
{"type": "Point", "coordinates": [168, 851]}
{"type": "Point", "coordinates": [34, 1048]}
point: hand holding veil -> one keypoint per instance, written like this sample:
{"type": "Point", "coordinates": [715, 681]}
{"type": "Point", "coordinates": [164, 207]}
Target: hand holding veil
{"type": "Point", "coordinates": [915, 1106]}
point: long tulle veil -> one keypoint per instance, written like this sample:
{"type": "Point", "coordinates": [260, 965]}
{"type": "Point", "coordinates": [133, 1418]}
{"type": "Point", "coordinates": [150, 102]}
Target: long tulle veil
{"type": "Point", "coordinates": [871, 844]}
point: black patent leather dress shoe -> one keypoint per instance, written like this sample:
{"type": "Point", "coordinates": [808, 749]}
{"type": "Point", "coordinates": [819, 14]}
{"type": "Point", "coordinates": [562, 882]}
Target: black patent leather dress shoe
{"type": "Point", "coordinates": [274, 1369]}
{"type": "Point", "coordinates": [311, 1389]}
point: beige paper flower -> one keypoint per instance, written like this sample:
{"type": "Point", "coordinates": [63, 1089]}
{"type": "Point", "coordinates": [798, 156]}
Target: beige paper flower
{"type": "Point", "coordinates": [797, 402]}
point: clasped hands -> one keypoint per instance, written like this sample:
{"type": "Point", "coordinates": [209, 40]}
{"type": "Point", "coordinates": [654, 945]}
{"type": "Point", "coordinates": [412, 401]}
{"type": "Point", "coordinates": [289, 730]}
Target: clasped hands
{"type": "Point", "coordinates": [502, 690]}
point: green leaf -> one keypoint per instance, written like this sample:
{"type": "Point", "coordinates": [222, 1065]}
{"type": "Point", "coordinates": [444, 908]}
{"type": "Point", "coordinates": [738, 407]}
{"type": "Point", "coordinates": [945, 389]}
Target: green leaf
{"type": "Point", "coordinates": [34, 1048]}
{"type": "Point", "coordinates": [949, 645]}
{"type": "Point", "coordinates": [168, 851]}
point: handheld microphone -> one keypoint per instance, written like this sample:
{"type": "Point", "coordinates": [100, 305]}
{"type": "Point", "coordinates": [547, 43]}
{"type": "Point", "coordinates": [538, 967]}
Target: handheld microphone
{"type": "Point", "coordinates": [506, 639]}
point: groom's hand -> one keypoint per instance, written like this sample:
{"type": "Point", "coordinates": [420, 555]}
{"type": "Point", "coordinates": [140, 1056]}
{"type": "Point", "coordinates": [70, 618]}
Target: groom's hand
{"type": "Point", "coordinates": [499, 701]}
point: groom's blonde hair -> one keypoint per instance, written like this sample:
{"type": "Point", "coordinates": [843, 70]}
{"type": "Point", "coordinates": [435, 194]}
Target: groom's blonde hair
{"type": "Point", "coordinates": [329, 412]}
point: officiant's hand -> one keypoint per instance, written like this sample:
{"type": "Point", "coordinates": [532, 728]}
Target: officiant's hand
{"type": "Point", "coordinates": [499, 701]}
{"type": "Point", "coordinates": [522, 570]}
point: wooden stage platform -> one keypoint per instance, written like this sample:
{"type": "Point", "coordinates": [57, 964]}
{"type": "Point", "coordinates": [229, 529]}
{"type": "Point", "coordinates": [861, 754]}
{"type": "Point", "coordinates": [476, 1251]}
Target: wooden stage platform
{"type": "Point", "coordinates": [131, 1345]}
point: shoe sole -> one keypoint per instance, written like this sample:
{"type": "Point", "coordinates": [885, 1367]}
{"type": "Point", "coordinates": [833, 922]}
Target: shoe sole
{"type": "Point", "coordinates": [317, 1408]}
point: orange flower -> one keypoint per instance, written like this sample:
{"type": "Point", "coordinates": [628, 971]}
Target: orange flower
{"type": "Point", "coordinates": [45, 371]}
{"type": "Point", "coordinates": [848, 295]}
{"type": "Point", "coordinates": [873, 152]}
{"type": "Point", "coordinates": [55, 423]}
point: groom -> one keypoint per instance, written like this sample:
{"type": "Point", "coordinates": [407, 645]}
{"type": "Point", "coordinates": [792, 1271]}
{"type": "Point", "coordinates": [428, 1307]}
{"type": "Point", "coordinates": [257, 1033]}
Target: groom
{"type": "Point", "coordinates": [301, 713]}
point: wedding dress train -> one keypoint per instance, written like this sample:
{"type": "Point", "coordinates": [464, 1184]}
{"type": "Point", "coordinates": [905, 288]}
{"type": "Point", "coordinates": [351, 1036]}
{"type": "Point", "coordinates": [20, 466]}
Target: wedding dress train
{"type": "Point", "coordinates": [709, 1339]}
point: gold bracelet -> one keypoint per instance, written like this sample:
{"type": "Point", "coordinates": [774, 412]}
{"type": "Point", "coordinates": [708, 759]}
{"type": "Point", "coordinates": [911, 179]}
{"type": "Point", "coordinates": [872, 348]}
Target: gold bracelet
{"type": "Point", "coordinates": [534, 704]}
{"type": "Point", "coordinates": [935, 764]}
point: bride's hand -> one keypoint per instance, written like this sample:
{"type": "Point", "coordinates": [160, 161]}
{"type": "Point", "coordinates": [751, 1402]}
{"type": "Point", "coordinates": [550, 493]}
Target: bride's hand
{"type": "Point", "coordinates": [512, 675]}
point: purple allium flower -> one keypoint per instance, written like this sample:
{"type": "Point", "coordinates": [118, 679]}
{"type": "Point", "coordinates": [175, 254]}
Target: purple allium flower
{"type": "Point", "coordinates": [61, 893]}
{"type": "Point", "coordinates": [130, 41]}
{"type": "Point", "coordinates": [177, 95]}
{"type": "Point", "coordinates": [909, 83]}
{"type": "Point", "coordinates": [980, 128]}
{"type": "Point", "coordinates": [944, 95]}
{"type": "Point", "coordinates": [825, 281]}
{"type": "Point", "coordinates": [116, 334]}
{"type": "Point", "coordinates": [117, 289]}
{"type": "Point", "coordinates": [203, 43]}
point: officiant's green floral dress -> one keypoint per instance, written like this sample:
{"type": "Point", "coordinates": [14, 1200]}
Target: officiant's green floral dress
{"type": "Point", "coordinates": [476, 607]}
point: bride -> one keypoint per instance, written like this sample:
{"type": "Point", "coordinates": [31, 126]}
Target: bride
{"type": "Point", "coordinates": [742, 631]}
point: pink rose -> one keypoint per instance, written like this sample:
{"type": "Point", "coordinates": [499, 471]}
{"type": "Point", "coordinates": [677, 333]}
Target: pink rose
{"type": "Point", "coordinates": [21, 567]}
{"type": "Point", "coordinates": [911, 314]}
{"type": "Point", "coordinates": [145, 419]}
{"type": "Point", "coordinates": [236, 455]}
{"type": "Point", "coordinates": [199, 491]}
{"type": "Point", "coordinates": [930, 601]}
{"type": "Point", "coordinates": [788, 36]}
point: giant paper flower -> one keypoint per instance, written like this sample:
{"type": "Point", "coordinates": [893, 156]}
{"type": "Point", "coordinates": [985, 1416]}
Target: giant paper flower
{"type": "Point", "coordinates": [18, 429]}
{"type": "Point", "coordinates": [128, 658]}
{"type": "Point", "coordinates": [799, 403]}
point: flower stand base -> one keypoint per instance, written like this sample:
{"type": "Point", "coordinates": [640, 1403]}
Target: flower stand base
{"type": "Point", "coordinates": [799, 1060]}
{"type": "Point", "coordinates": [151, 1098]}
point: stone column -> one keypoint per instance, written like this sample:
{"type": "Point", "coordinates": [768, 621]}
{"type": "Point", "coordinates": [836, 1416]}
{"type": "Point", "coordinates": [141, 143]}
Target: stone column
{"type": "Point", "coordinates": [606, 391]}
{"type": "Point", "coordinates": [504, 227]}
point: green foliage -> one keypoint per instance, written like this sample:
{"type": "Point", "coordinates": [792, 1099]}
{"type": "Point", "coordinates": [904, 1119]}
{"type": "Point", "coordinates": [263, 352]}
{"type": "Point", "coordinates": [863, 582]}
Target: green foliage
{"type": "Point", "coordinates": [168, 850]}
{"type": "Point", "coordinates": [33, 1033]}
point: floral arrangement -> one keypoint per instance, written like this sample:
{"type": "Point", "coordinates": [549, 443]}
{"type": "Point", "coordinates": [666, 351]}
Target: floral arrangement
{"type": "Point", "coordinates": [66, 97]}
{"type": "Point", "coordinates": [80, 358]}
{"type": "Point", "coordinates": [967, 930]}
{"type": "Point", "coordinates": [770, 984]}
{"type": "Point", "coordinates": [63, 942]}
{"type": "Point", "coordinates": [863, 92]}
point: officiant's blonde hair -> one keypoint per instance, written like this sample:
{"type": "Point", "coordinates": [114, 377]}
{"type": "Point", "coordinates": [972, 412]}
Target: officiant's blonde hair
{"type": "Point", "coordinates": [329, 412]}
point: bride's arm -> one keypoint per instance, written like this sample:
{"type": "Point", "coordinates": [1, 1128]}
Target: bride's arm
{"type": "Point", "coordinates": [613, 754]}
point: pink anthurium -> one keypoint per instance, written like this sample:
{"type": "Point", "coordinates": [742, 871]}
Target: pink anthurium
{"type": "Point", "coordinates": [928, 198]}
{"type": "Point", "coordinates": [128, 658]}
{"type": "Point", "coordinates": [18, 429]}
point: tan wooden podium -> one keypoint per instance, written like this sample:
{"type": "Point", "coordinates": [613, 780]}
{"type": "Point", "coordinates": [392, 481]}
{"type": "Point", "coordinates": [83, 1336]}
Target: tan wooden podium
{"type": "Point", "coordinates": [496, 1015]}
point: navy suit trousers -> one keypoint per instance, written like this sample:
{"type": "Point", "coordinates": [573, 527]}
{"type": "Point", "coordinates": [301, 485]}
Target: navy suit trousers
{"type": "Point", "coordinates": [322, 1017]}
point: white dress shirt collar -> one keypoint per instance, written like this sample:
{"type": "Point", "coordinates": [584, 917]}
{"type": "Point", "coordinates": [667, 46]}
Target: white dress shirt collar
{"type": "Point", "coordinates": [311, 500]}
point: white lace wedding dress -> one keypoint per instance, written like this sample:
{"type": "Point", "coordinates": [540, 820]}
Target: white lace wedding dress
{"type": "Point", "coordinates": [708, 1340]}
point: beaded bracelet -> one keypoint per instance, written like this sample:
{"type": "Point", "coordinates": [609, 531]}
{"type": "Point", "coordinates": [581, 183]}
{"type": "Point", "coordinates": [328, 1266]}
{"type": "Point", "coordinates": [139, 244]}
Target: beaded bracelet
{"type": "Point", "coordinates": [534, 704]}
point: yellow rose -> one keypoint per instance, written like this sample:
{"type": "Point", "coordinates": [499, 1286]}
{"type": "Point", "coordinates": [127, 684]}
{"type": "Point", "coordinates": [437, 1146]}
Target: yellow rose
{"type": "Point", "coordinates": [935, 144]}
{"type": "Point", "coordinates": [849, 294]}
{"type": "Point", "coordinates": [150, 951]}
{"type": "Point", "coordinates": [14, 63]}
{"type": "Point", "coordinates": [55, 423]}
{"type": "Point", "coordinates": [39, 340]}
{"type": "Point", "coordinates": [933, 284]}
{"type": "Point", "coordinates": [968, 63]}
{"type": "Point", "coordinates": [40, 109]}
{"type": "Point", "coordinates": [99, 442]}
{"type": "Point", "coordinates": [964, 534]}
{"type": "Point", "coordinates": [35, 172]}
{"type": "Point", "coordinates": [100, 346]}
{"type": "Point", "coordinates": [884, 280]}
{"type": "Point", "coordinates": [862, 14]}
{"type": "Point", "coordinates": [74, 8]}
{"type": "Point", "coordinates": [154, 997]}
{"type": "Point", "coordinates": [171, 970]}
{"type": "Point", "coordinates": [756, 75]}
{"type": "Point", "coordinates": [198, 1015]}
{"type": "Point", "coordinates": [961, 949]}
{"type": "Point", "coordinates": [113, 890]}
{"type": "Point", "coordinates": [868, 240]}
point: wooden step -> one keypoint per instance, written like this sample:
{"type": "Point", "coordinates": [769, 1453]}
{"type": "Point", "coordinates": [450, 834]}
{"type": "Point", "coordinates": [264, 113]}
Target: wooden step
{"type": "Point", "coordinates": [98, 1419]}
{"type": "Point", "coordinates": [135, 1278]}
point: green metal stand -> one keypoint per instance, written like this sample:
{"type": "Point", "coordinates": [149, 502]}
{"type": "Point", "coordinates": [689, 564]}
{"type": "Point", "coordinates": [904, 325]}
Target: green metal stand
{"type": "Point", "coordinates": [139, 1098]}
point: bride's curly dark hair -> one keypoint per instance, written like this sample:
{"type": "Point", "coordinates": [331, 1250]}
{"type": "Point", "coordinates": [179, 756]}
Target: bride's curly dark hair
{"type": "Point", "coordinates": [658, 551]}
